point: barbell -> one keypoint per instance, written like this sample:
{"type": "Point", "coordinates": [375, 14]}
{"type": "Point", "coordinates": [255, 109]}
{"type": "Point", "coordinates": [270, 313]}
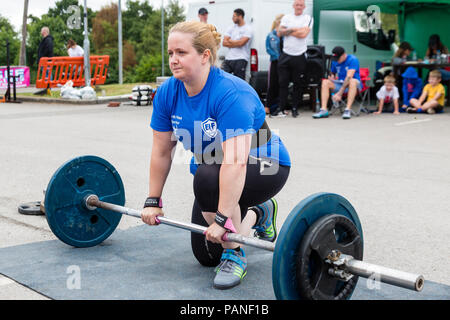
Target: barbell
{"type": "Point", "coordinates": [318, 253]}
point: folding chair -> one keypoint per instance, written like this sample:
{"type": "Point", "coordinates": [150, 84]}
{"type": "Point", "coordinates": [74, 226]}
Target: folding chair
{"type": "Point", "coordinates": [363, 96]}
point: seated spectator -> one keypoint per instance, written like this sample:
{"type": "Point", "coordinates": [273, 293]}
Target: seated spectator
{"type": "Point", "coordinates": [74, 50]}
{"type": "Point", "coordinates": [387, 96]}
{"type": "Point", "coordinates": [433, 92]}
{"type": "Point", "coordinates": [435, 48]}
{"type": "Point", "coordinates": [346, 68]}
{"type": "Point", "coordinates": [273, 48]}
{"type": "Point", "coordinates": [435, 45]}
{"type": "Point", "coordinates": [403, 53]}
{"type": "Point", "coordinates": [412, 87]}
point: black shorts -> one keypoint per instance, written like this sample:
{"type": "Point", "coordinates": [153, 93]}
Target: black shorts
{"type": "Point", "coordinates": [438, 108]}
{"type": "Point", "coordinates": [263, 180]}
{"type": "Point", "coordinates": [235, 67]}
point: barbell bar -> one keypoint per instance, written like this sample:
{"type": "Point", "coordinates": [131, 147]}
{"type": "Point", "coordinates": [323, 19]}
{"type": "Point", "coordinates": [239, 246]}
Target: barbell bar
{"type": "Point", "coordinates": [345, 263]}
{"type": "Point", "coordinates": [92, 202]}
{"type": "Point", "coordinates": [318, 253]}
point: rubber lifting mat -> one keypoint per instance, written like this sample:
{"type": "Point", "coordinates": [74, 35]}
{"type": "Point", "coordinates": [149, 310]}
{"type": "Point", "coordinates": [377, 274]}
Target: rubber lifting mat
{"type": "Point", "coordinates": [154, 263]}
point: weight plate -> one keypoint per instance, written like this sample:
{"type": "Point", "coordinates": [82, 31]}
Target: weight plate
{"type": "Point", "coordinates": [331, 232]}
{"type": "Point", "coordinates": [66, 213]}
{"type": "Point", "coordinates": [309, 210]}
{"type": "Point", "coordinates": [31, 208]}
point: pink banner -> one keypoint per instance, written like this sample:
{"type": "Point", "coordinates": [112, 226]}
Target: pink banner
{"type": "Point", "coordinates": [22, 79]}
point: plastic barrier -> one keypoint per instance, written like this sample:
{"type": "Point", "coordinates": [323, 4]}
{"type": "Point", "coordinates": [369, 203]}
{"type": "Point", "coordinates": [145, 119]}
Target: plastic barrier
{"type": "Point", "coordinates": [58, 70]}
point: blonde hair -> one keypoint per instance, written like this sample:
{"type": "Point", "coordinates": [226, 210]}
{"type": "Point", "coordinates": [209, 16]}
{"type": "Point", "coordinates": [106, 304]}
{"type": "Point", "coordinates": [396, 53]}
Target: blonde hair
{"type": "Point", "coordinates": [277, 21]}
{"type": "Point", "coordinates": [389, 79]}
{"type": "Point", "coordinates": [204, 36]}
{"type": "Point", "coordinates": [436, 74]}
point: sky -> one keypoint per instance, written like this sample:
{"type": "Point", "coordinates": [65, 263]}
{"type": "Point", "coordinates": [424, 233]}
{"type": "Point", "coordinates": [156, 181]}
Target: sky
{"type": "Point", "coordinates": [14, 12]}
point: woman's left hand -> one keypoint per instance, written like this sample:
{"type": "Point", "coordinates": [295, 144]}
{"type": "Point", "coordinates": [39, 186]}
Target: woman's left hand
{"type": "Point", "coordinates": [214, 233]}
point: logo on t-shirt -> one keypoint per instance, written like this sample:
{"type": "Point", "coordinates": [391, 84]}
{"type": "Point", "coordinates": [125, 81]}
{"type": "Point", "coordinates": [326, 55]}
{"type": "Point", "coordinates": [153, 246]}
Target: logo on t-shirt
{"type": "Point", "coordinates": [209, 127]}
{"type": "Point", "coordinates": [410, 87]}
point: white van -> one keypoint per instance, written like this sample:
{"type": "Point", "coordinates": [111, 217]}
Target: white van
{"type": "Point", "coordinates": [343, 28]}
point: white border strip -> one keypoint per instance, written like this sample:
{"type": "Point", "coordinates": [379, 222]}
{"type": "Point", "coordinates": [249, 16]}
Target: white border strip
{"type": "Point", "coordinates": [4, 281]}
{"type": "Point", "coordinates": [412, 122]}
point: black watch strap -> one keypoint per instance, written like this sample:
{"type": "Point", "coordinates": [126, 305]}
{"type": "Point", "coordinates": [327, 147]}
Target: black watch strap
{"type": "Point", "coordinates": [155, 202]}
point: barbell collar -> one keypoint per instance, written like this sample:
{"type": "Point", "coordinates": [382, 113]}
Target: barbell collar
{"type": "Point", "coordinates": [91, 202]}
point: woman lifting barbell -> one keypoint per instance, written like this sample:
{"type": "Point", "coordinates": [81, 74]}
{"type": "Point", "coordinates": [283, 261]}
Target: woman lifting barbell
{"type": "Point", "coordinates": [239, 165]}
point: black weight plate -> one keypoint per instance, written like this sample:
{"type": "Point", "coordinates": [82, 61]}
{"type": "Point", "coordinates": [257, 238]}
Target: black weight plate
{"type": "Point", "coordinates": [31, 208]}
{"type": "Point", "coordinates": [331, 232]}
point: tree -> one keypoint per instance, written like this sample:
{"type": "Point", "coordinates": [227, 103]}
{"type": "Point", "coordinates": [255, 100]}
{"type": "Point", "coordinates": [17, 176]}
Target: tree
{"type": "Point", "coordinates": [7, 33]}
{"type": "Point", "coordinates": [24, 34]}
{"type": "Point", "coordinates": [56, 19]}
{"type": "Point", "coordinates": [105, 38]}
{"type": "Point", "coordinates": [149, 48]}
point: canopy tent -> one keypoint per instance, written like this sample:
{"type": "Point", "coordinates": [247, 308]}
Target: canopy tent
{"type": "Point", "coordinates": [417, 19]}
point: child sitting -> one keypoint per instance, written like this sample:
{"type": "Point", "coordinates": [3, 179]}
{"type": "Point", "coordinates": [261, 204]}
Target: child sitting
{"type": "Point", "coordinates": [387, 96]}
{"type": "Point", "coordinates": [434, 92]}
{"type": "Point", "coordinates": [412, 87]}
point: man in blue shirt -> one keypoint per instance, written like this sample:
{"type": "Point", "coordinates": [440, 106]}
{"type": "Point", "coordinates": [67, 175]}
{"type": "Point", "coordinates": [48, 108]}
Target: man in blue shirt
{"type": "Point", "coordinates": [344, 79]}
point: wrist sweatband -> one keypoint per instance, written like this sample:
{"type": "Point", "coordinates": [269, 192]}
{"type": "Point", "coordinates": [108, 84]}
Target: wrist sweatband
{"type": "Point", "coordinates": [224, 222]}
{"type": "Point", "coordinates": [155, 202]}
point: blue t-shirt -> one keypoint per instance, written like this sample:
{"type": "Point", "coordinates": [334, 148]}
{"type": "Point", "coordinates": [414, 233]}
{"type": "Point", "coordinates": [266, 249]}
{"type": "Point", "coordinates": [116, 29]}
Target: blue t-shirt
{"type": "Point", "coordinates": [341, 68]}
{"type": "Point", "coordinates": [226, 107]}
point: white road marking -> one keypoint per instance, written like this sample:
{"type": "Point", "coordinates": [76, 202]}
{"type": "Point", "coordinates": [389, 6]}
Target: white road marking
{"type": "Point", "coordinates": [5, 281]}
{"type": "Point", "coordinates": [412, 122]}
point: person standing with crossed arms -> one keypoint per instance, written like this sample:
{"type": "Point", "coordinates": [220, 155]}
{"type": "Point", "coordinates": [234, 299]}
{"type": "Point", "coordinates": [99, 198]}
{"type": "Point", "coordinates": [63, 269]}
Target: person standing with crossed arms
{"type": "Point", "coordinates": [295, 28]}
{"type": "Point", "coordinates": [237, 38]}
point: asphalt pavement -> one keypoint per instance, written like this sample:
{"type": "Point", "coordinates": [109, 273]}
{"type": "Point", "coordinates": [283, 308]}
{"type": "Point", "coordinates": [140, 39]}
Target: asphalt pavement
{"type": "Point", "coordinates": [393, 169]}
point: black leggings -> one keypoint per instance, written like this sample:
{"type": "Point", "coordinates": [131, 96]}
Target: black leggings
{"type": "Point", "coordinates": [263, 180]}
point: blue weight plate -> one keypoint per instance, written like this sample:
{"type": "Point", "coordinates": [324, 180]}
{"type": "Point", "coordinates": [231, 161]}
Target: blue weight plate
{"type": "Point", "coordinates": [66, 214]}
{"type": "Point", "coordinates": [287, 246]}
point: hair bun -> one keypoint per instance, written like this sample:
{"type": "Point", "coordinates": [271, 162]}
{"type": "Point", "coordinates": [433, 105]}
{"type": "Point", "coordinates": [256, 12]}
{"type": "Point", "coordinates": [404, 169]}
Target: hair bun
{"type": "Point", "coordinates": [217, 36]}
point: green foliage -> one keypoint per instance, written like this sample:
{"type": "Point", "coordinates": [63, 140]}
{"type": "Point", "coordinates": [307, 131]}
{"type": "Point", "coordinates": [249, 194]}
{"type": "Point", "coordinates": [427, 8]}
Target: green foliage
{"type": "Point", "coordinates": [141, 34]}
{"type": "Point", "coordinates": [7, 33]}
{"type": "Point", "coordinates": [148, 69]}
{"type": "Point", "coordinates": [56, 20]}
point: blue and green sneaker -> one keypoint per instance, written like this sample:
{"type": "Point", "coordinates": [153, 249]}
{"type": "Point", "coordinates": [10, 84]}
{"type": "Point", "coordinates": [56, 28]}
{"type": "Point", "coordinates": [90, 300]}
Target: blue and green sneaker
{"type": "Point", "coordinates": [266, 225]}
{"type": "Point", "coordinates": [231, 269]}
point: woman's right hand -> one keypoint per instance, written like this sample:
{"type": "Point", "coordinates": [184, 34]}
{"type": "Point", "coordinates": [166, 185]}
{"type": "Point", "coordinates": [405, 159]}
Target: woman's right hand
{"type": "Point", "coordinates": [149, 215]}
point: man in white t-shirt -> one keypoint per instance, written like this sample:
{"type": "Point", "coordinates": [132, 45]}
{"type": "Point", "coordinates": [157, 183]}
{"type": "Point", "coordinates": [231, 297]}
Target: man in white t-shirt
{"type": "Point", "coordinates": [294, 28]}
{"type": "Point", "coordinates": [238, 39]}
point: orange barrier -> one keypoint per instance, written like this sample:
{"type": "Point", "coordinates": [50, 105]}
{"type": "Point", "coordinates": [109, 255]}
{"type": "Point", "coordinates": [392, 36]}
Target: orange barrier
{"type": "Point", "coordinates": [58, 70]}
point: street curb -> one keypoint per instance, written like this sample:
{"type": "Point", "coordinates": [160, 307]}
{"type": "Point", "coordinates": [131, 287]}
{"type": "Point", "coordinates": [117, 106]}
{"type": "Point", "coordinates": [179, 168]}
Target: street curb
{"type": "Point", "coordinates": [100, 100]}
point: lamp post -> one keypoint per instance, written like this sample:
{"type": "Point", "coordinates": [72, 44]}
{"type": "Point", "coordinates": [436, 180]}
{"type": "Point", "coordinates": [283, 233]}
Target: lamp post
{"type": "Point", "coordinates": [87, 64]}
{"type": "Point", "coordinates": [120, 43]}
